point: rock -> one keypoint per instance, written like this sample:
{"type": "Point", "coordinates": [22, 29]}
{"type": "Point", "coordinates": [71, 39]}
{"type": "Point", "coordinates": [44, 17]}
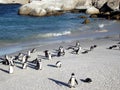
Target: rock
{"type": "Point", "coordinates": [3, 1]}
{"type": "Point", "coordinates": [38, 12]}
{"type": "Point", "coordinates": [24, 10]}
{"type": "Point", "coordinates": [75, 11]}
{"type": "Point", "coordinates": [86, 21]}
{"type": "Point", "coordinates": [57, 7]}
{"type": "Point", "coordinates": [52, 7]}
{"type": "Point", "coordinates": [107, 5]}
{"type": "Point", "coordinates": [93, 16]}
{"type": "Point", "coordinates": [14, 1]}
{"type": "Point", "coordinates": [114, 4]}
{"type": "Point", "coordinates": [82, 16]}
{"type": "Point", "coordinates": [68, 4]}
{"type": "Point", "coordinates": [92, 10]}
{"type": "Point", "coordinates": [115, 15]}
{"type": "Point", "coordinates": [98, 3]}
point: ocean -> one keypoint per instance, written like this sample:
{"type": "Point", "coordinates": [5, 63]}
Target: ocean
{"type": "Point", "coordinates": [19, 32]}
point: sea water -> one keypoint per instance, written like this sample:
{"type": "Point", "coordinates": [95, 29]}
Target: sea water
{"type": "Point", "coordinates": [19, 32]}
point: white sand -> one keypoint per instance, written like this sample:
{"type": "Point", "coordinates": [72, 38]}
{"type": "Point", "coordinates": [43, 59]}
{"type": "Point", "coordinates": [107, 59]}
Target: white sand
{"type": "Point", "coordinates": [101, 65]}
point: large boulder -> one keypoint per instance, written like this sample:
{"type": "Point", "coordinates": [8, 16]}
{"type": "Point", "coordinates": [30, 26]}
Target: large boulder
{"type": "Point", "coordinates": [24, 10]}
{"type": "Point", "coordinates": [92, 10]}
{"type": "Point", "coordinates": [98, 3]}
{"type": "Point", "coordinates": [107, 5]}
{"type": "Point", "coordinates": [47, 7]}
{"type": "Point", "coordinates": [114, 4]}
{"type": "Point", "coordinates": [3, 1]}
{"type": "Point", "coordinates": [14, 1]}
{"type": "Point", "coordinates": [38, 12]}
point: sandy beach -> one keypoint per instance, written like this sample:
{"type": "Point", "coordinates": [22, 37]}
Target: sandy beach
{"type": "Point", "coordinates": [102, 65]}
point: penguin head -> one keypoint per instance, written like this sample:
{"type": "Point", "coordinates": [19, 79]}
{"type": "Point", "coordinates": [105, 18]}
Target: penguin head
{"type": "Point", "coordinates": [72, 74]}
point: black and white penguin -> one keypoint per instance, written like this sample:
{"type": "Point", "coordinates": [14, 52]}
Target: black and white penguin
{"type": "Point", "coordinates": [28, 53]}
{"type": "Point", "coordinates": [11, 69]}
{"type": "Point", "coordinates": [46, 53]}
{"type": "Point", "coordinates": [49, 56]}
{"type": "Point", "coordinates": [20, 56]}
{"type": "Point", "coordinates": [23, 58]}
{"type": "Point", "coordinates": [61, 51]}
{"type": "Point", "coordinates": [24, 65]}
{"type": "Point", "coordinates": [113, 46]}
{"type": "Point", "coordinates": [88, 80]}
{"type": "Point", "coordinates": [77, 44]}
{"type": "Point", "coordinates": [72, 82]}
{"type": "Point", "coordinates": [76, 50]}
{"type": "Point", "coordinates": [5, 61]}
{"type": "Point", "coordinates": [38, 64]}
{"type": "Point", "coordinates": [11, 61]}
{"type": "Point", "coordinates": [58, 64]}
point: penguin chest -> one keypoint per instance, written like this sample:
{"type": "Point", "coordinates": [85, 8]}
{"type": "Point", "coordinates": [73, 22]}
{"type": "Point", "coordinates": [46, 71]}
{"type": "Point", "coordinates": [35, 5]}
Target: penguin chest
{"type": "Point", "coordinates": [72, 81]}
{"type": "Point", "coordinates": [40, 65]}
{"type": "Point", "coordinates": [49, 57]}
{"type": "Point", "coordinates": [24, 65]}
{"type": "Point", "coordinates": [11, 69]}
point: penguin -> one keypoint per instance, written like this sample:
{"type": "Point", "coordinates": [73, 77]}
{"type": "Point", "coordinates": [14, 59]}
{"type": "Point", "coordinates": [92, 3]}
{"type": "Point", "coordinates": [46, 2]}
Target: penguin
{"type": "Point", "coordinates": [38, 64]}
{"type": "Point", "coordinates": [24, 65]}
{"type": "Point", "coordinates": [61, 51]}
{"type": "Point", "coordinates": [23, 58]}
{"type": "Point", "coordinates": [72, 82]}
{"type": "Point", "coordinates": [58, 64]}
{"type": "Point", "coordinates": [46, 53]}
{"type": "Point", "coordinates": [76, 50]}
{"type": "Point", "coordinates": [6, 61]}
{"type": "Point", "coordinates": [91, 48]}
{"type": "Point", "coordinates": [11, 61]}
{"type": "Point", "coordinates": [28, 53]}
{"type": "Point", "coordinates": [7, 57]}
{"type": "Point", "coordinates": [77, 44]}
{"type": "Point", "coordinates": [11, 70]}
{"type": "Point", "coordinates": [113, 46]}
{"type": "Point", "coordinates": [88, 80]}
{"type": "Point", "coordinates": [20, 56]}
{"type": "Point", "coordinates": [49, 56]}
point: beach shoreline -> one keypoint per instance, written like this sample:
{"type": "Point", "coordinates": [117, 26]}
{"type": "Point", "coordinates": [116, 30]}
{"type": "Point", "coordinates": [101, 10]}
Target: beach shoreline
{"type": "Point", "coordinates": [101, 65]}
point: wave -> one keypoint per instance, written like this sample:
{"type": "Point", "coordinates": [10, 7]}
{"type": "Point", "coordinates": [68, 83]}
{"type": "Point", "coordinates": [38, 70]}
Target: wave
{"type": "Point", "coordinates": [47, 35]}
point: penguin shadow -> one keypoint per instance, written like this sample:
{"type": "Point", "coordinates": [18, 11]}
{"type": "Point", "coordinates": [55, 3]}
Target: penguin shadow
{"type": "Point", "coordinates": [60, 83]}
{"type": "Point", "coordinates": [17, 62]}
{"type": "Point", "coordinates": [85, 51]}
{"type": "Point", "coordinates": [42, 57]}
{"type": "Point", "coordinates": [51, 65]}
{"type": "Point", "coordinates": [87, 80]}
{"type": "Point", "coordinates": [73, 52]}
{"type": "Point", "coordinates": [113, 48]}
{"type": "Point", "coordinates": [70, 47]}
{"type": "Point", "coordinates": [1, 59]}
{"type": "Point", "coordinates": [4, 70]}
{"type": "Point", "coordinates": [55, 50]}
{"type": "Point", "coordinates": [30, 65]}
{"type": "Point", "coordinates": [20, 67]}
